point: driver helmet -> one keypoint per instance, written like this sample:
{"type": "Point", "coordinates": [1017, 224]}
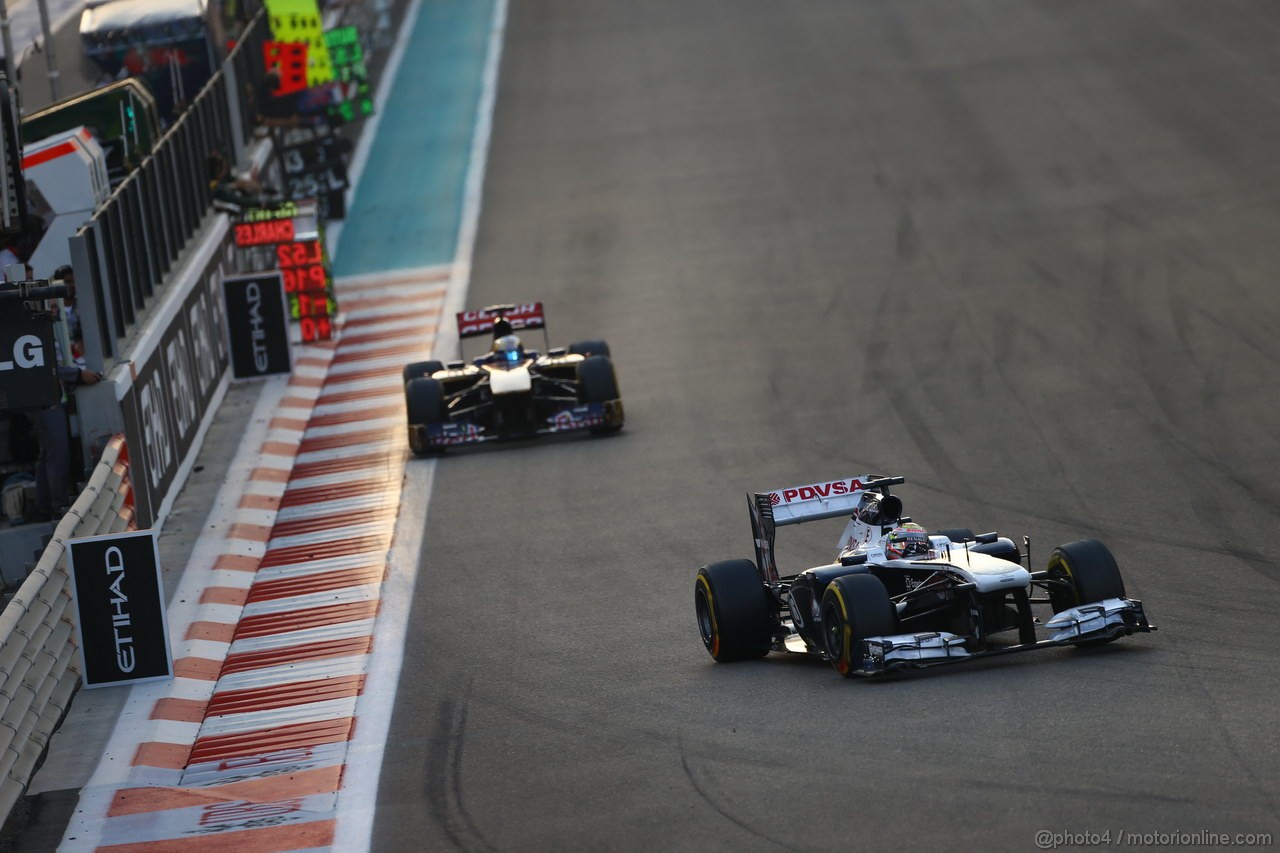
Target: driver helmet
{"type": "Point", "coordinates": [907, 540]}
{"type": "Point", "coordinates": [508, 350]}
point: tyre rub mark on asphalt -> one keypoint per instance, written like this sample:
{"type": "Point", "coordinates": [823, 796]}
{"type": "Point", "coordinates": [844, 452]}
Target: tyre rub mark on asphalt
{"type": "Point", "coordinates": [719, 809]}
{"type": "Point", "coordinates": [444, 777]}
{"type": "Point", "coordinates": [1217, 723]}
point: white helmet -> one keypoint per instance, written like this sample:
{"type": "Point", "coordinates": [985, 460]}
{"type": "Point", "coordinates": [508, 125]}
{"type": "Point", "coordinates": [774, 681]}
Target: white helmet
{"type": "Point", "coordinates": [907, 541]}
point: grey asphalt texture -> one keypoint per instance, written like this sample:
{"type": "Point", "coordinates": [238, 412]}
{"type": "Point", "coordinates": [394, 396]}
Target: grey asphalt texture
{"type": "Point", "coordinates": [1022, 253]}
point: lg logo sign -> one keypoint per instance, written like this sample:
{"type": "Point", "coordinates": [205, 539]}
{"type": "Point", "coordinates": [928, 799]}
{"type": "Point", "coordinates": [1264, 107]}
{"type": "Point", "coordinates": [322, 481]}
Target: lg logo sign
{"type": "Point", "coordinates": [28, 352]}
{"type": "Point", "coordinates": [28, 375]}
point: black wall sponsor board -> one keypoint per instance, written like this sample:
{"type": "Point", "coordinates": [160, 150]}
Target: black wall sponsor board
{"type": "Point", "coordinates": [119, 599]}
{"type": "Point", "coordinates": [174, 386]}
{"type": "Point", "coordinates": [28, 360]}
{"type": "Point", "coordinates": [257, 324]}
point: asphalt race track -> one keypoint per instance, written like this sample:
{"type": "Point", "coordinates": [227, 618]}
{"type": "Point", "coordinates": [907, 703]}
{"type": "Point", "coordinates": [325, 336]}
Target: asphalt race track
{"type": "Point", "coordinates": [1022, 253]}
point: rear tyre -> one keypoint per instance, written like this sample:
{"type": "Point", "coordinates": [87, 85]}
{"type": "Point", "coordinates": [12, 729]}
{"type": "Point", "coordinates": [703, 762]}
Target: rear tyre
{"type": "Point", "coordinates": [589, 348]}
{"type": "Point", "coordinates": [597, 383]}
{"type": "Point", "coordinates": [420, 369]}
{"type": "Point", "coordinates": [854, 607]}
{"type": "Point", "coordinates": [1089, 573]}
{"type": "Point", "coordinates": [424, 398]}
{"type": "Point", "coordinates": [733, 611]}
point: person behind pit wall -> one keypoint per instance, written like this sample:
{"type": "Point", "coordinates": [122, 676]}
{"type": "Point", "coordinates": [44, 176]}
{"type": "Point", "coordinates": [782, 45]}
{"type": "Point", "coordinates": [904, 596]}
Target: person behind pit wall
{"type": "Point", "coordinates": [53, 462]}
{"type": "Point", "coordinates": [230, 189]}
{"type": "Point", "coordinates": [74, 345]}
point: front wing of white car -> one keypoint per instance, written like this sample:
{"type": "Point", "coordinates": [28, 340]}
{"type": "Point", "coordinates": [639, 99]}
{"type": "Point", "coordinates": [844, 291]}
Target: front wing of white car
{"type": "Point", "coordinates": [1099, 621]}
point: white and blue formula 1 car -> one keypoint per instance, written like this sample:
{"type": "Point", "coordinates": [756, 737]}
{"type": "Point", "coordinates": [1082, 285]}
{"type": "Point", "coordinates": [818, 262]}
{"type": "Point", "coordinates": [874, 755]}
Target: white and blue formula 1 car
{"type": "Point", "coordinates": [510, 392]}
{"type": "Point", "coordinates": [897, 596]}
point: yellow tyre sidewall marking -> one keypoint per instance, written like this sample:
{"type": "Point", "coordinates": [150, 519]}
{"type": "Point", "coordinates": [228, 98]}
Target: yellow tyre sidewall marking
{"type": "Point", "coordinates": [1057, 562]}
{"type": "Point", "coordinates": [711, 610]}
{"type": "Point", "coordinates": [844, 663]}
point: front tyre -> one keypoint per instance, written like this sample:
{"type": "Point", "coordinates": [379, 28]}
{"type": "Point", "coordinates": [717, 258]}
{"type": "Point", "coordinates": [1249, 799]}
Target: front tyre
{"type": "Point", "coordinates": [1086, 572]}
{"type": "Point", "coordinates": [589, 348]}
{"type": "Point", "coordinates": [597, 383]}
{"type": "Point", "coordinates": [424, 400]}
{"type": "Point", "coordinates": [854, 607]}
{"type": "Point", "coordinates": [420, 369]}
{"type": "Point", "coordinates": [733, 611]}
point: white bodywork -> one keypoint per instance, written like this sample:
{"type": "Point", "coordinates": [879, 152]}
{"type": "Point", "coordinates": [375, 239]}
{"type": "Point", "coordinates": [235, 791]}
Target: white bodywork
{"type": "Point", "coordinates": [1088, 618]}
{"type": "Point", "coordinates": [984, 571]}
{"type": "Point", "coordinates": [817, 500]}
{"type": "Point", "coordinates": [517, 380]}
{"type": "Point", "coordinates": [916, 647]}
{"type": "Point", "coordinates": [860, 538]}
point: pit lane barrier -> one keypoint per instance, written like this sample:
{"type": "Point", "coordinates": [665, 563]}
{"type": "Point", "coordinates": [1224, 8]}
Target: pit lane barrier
{"type": "Point", "coordinates": [149, 264]}
{"type": "Point", "coordinates": [39, 657]}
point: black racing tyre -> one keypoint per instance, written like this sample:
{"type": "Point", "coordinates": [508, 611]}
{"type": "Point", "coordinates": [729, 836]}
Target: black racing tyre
{"type": "Point", "coordinates": [854, 607]}
{"type": "Point", "coordinates": [1091, 574]}
{"type": "Point", "coordinates": [424, 398]}
{"type": "Point", "coordinates": [589, 348]}
{"type": "Point", "coordinates": [420, 369]}
{"type": "Point", "coordinates": [1090, 571]}
{"type": "Point", "coordinates": [597, 383]}
{"type": "Point", "coordinates": [733, 611]}
{"type": "Point", "coordinates": [955, 534]}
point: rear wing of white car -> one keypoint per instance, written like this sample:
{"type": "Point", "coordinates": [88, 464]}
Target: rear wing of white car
{"type": "Point", "coordinates": [816, 501]}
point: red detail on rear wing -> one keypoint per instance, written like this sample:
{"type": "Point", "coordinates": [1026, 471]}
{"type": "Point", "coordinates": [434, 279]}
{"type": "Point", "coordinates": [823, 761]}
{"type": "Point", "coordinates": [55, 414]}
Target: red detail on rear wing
{"type": "Point", "coordinates": [473, 323]}
{"type": "Point", "coordinates": [824, 500]}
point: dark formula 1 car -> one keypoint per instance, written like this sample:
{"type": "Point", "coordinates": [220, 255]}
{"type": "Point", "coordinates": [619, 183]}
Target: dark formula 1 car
{"type": "Point", "coordinates": [510, 392]}
{"type": "Point", "coordinates": [899, 597]}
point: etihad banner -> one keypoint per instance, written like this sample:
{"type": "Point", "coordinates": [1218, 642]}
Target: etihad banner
{"type": "Point", "coordinates": [119, 598]}
{"type": "Point", "coordinates": [257, 324]}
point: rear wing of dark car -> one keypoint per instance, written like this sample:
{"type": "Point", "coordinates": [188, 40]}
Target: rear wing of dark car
{"type": "Point", "coordinates": [475, 323]}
